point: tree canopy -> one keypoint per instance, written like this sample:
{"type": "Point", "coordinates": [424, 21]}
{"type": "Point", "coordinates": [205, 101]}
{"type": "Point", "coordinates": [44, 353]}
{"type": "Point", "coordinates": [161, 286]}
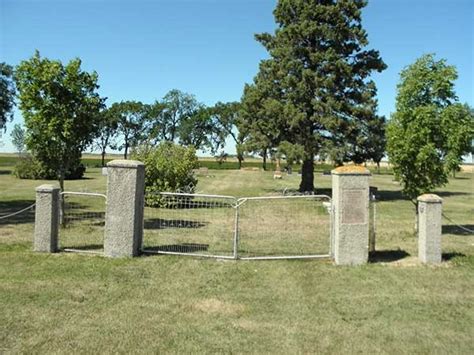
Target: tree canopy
{"type": "Point", "coordinates": [179, 118]}
{"type": "Point", "coordinates": [108, 126]}
{"type": "Point", "coordinates": [18, 138]}
{"type": "Point", "coordinates": [315, 86]}
{"type": "Point", "coordinates": [7, 94]}
{"type": "Point", "coordinates": [60, 106]}
{"type": "Point", "coordinates": [130, 118]}
{"type": "Point", "coordinates": [225, 121]}
{"type": "Point", "coordinates": [429, 132]}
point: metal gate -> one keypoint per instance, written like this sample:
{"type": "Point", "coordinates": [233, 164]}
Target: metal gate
{"type": "Point", "coordinates": [225, 227]}
{"type": "Point", "coordinates": [190, 224]}
{"type": "Point", "coordinates": [82, 224]}
{"type": "Point", "coordinates": [284, 227]}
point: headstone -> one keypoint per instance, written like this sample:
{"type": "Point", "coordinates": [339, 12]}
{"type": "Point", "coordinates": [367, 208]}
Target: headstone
{"type": "Point", "coordinates": [277, 172]}
{"type": "Point", "coordinates": [104, 171]}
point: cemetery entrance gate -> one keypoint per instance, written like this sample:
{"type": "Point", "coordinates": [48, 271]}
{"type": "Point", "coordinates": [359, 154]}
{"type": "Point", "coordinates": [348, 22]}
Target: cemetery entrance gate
{"type": "Point", "coordinates": [249, 228]}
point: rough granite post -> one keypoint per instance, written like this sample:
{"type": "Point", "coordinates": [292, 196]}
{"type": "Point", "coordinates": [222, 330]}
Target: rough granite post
{"type": "Point", "coordinates": [46, 219]}
{"type": "Point", "coordinates": [430, 208]}
{"type": "Point", "coordinates": [125, 203]}
{"type": "Point", "coordinates": [350, 195]}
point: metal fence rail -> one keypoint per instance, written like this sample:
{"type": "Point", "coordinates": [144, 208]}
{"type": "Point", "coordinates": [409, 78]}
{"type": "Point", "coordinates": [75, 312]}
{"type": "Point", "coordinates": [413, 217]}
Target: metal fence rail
{"type": "Point", "coordinates": [190, 224]}
{"type": "Point", "coordinates": [82, 222]}
{"type": "Point", "coordinates": [247, 228]}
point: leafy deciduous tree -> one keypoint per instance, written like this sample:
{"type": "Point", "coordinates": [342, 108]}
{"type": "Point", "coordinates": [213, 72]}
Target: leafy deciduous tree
{"type": "Point", "coordinates": [179, 117]}
{"type": "Point", "coordinates": [107, 132]}
{"type": "Point", "coordinates": [7, 94]}
{"type": "Point", "coordinates": [18, 138]}
{"type": "Point", "coordinates": [226, 122]}
{"type": "Point", "coordinates": [457, 121]}
{"type": "Point", "coordinates": [60, 106]}
{"type": "Point", "coordinates": [130, 119]}
{"type": "Point", "coordinates": [428, 133]}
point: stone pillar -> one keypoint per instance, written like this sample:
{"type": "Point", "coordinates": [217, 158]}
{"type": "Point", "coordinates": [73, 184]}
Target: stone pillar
{"type": "Point", "coordinates": [430, 208]}
{"type": "Point", "coordinates": [125, 203]}
{"type": "Point", "coordinates": [46, 219]}
{"type": "Point", "coordinates": [350, 196]}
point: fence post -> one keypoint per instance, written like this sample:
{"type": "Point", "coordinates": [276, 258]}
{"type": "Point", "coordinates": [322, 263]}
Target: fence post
{"type": "Point", "coordinates": [350, 195]}
{"type": "Point", "coordinates": [125, 204]}
{"type": "Point", "coordinates": [46, 219]}
{"type": "Point", "coordinates": [373, 218]}
{"type": "Point", "coordinates": [430, 208]}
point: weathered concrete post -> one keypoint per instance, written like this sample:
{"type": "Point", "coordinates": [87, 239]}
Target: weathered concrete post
{"type": "Point", "coordinates": [46, 219]}
{"type": "Point", "coordinates": [124, 212]}
{"type": "Point", "coordinates": [350, 195]}
{"type": "Point", "coordinates": [430, 208]}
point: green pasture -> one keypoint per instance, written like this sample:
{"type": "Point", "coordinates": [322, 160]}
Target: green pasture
{"type": "Point", "coordinates": [58, 303]}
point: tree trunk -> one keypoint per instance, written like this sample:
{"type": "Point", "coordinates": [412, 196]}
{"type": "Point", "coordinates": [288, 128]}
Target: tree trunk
{"type": "Point", "coordinates": [378, 167]}
{"type": "Point", "coordinates": [264, 159]}
{"type": "Point", "coordinates": [417, 217]}
{"type": "Point", "coordinates": [239, 158]}
{"type": "Point", "coordinates": [62, 203]}
{"type": "Point", "coordinates": [307, 176]}
{"type": "Point", "coordinates": [125, 153]}
{"type": "Point", "coordinates": [103, 157]}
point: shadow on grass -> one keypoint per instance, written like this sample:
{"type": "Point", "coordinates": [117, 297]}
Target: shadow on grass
{"type": "Point", "coordinates": [178, 248]}
{"type": "Point", "coordinates": [159, 223]}
{"type": "Point", "coordinates": [94, 219]}
{"type": "Point", "coordinates": [449, 256]}
{"type": "Point", "coordinates": [295, 192]}
{"type": "Point", "coordinates": [84, 247]}
{"type": "Point", "coordinates": [461, 178]}
{"type": "Point", "coordinates": [5, 172]}
{"type": "Point", "coordinates": [185, 203]}
{"type": "Point", "coordinates": [458, 230]}
{"type": "Point", "coordinates": [392, 195]}
{"type": "Point", "coordinates": [386, 256]}
{"type": "Point", "coordinates": [9, 207]}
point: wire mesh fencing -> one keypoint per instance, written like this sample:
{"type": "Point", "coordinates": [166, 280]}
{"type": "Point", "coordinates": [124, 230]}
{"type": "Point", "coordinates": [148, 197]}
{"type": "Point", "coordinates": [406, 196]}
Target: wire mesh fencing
{"type": "Point", "coordinates": [246, 228]}
{"type": "Point", "coordinates": [284, 227]}
{"type": "Point", "coordinates": [82, 222]}
{"type": "Point", "coordinates": [190, 224]}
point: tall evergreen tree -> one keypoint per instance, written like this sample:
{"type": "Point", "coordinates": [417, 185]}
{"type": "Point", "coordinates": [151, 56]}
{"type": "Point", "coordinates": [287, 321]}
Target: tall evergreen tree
{"type": "Point", "coordinates": [317, 76]}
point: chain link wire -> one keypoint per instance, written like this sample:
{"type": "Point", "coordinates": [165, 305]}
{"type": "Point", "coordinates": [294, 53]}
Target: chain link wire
{"type": "Point", "coordinates": [190, 224]}
{"type": "Point", "coordinates": [82, 222]}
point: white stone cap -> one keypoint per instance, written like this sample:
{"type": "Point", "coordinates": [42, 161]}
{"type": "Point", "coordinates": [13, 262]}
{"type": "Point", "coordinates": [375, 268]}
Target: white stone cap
{"type": "Point", "coordinates": [130, 164]}
{"type": "Point", "coordinates": [351, 170]}
{"type": "Point", "coordinates": [430, 198]}
{"type": "Point", "coordinates": [46, 188]}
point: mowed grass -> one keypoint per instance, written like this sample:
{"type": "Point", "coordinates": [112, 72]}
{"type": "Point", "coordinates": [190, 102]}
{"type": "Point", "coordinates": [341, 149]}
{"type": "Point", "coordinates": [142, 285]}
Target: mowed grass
{"type": "Point", "coordinates": [76, 303]}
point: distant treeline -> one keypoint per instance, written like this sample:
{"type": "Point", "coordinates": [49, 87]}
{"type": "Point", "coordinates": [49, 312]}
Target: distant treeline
{"type": "Point", "coordinates": [11, 160]}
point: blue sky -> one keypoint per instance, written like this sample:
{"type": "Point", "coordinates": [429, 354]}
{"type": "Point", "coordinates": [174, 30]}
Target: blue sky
{"type": "Point", "coordinates": [142, 49]}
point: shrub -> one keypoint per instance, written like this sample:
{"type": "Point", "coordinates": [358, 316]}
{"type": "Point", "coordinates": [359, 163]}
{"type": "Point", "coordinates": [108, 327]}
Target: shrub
{"type": "Point", "coordinates": [168, 167]}
{"type": "Point", "coordinates": [28, 167]}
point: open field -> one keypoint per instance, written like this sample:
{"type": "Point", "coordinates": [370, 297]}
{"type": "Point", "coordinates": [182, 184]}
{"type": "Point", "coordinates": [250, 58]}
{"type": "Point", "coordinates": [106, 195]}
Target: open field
{"type": "Point", "coordinates": [75, 303]}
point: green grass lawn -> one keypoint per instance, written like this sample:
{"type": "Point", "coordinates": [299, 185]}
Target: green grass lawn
{"type": "Point", "coordinates": [76, 303]}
